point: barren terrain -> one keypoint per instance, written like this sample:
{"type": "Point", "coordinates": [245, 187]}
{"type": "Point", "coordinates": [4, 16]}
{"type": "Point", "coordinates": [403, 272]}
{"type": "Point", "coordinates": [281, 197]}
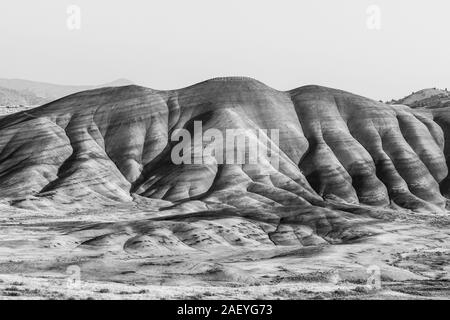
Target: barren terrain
{"type": "Point", "coordinates": [39, 252]}
{"type": "Point", "coordinates": [92, 204]}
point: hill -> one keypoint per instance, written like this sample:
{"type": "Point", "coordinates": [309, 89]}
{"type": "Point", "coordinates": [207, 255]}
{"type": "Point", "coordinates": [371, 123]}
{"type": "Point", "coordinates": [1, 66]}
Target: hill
{"type": "Point", "coordinates": [426, 98]}
{"type": "Point", "coordinates": [10, 97]}
{"type": "Point", "coordinates": [333, 145]}
{"type": "Point", "coordinates": [15, 92]}
{"type": "Point", "coordinates": [89, 183]}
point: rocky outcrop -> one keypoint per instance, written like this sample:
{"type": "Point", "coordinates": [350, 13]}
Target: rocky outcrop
{"type": "Point", "coordinates": [109, 145]}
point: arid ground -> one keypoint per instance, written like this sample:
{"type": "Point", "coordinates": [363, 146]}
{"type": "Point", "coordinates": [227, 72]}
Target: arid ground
{"type": "Point", "coordinates": [41, 255]}
{"type": "Point", "coordinates": [94, 204]}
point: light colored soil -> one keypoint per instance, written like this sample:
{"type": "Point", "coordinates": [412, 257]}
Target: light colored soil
{"type": "Point", "coordinates": [40, 257]}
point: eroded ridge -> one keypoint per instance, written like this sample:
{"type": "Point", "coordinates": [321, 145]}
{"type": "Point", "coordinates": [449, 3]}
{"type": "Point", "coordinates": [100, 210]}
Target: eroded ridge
{"type": "Point", "coordinates": [111, 145]}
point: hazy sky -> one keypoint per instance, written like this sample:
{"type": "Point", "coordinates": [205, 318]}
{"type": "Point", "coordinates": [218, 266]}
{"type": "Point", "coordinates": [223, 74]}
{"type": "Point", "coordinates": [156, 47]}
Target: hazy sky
{"type": "Point", "coordinates": [168, 44]}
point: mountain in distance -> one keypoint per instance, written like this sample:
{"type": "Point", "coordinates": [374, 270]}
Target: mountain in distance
{"type": "Point", "coordinates": [15, 92]}
{"type": "Point", "coordinates": [11, 97]}
{"type": "Point", "coordinates": [426, 98]}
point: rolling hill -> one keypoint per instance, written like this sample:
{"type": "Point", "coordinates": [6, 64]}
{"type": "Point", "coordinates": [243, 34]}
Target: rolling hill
{"type": "Point", "coordinates": [89, 181]}
{"type": "Point", "coordinates": [106, 145]}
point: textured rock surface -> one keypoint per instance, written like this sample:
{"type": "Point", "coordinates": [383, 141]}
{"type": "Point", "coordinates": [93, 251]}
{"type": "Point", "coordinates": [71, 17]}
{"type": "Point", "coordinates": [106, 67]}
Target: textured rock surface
{"type": "Point", "coordinates": [441, 116]}
{"type": "Point", "coordinates": [105, 145]}
{"type": "Point", "coordinates": [433, 104]}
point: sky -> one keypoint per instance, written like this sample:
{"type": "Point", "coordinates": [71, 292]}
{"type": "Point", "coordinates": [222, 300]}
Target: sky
{"type": "Point", "coordinates": [381, 49]}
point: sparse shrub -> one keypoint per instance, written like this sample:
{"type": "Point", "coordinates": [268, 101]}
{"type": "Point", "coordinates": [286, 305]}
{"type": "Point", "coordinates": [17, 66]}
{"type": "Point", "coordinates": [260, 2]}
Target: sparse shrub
{"type": "Point", "coordinates": [104, 290]}
{"type": "Point", "coordinates": [12, 288]}
{"type": "Point", "coordinates": [361, 289]}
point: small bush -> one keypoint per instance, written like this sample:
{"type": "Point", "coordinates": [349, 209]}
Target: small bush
{"type": "Point", "coordinates": [104, 290]}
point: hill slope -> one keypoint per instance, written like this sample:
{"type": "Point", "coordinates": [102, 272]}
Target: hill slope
{"type": "Point", "coordinates": [426, 98]}
{"type": "Point", "coordinates": [107, 145]}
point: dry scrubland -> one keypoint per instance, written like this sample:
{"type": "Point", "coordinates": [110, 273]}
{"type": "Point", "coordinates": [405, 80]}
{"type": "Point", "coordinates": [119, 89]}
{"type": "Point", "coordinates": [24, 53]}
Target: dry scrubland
{"type": "Point", "coordinates": [87, 181]}
{"type": "Point", "coordinates": [411, 250]}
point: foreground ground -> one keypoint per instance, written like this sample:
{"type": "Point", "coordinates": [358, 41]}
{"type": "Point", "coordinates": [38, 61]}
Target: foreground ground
{"type": "Point", "coordinates": [40, 258]}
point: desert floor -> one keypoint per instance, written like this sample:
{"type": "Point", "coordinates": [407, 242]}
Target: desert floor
{"type": "Point", "coordinates": [41, 259]}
